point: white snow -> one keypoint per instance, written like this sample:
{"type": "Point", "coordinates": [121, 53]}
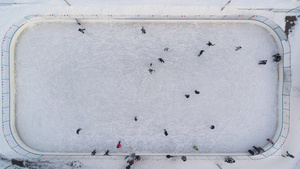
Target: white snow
{"type": "Point", "coordinates": [11, 14]}
{"type": "Point", "coordinates": [99, 81]}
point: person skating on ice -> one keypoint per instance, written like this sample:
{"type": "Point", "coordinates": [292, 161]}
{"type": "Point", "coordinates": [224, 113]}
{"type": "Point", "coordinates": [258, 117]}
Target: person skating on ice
{"type": "Point", "coordinates": [201, 52]}
{"type": "Point", "coordinates": [238, 48]}
{"type": "Point", "coordinates": [262, 62]}
{"type": "Point", "coordinates": [210, 44]}
{"type": "Point", "coordinates": [165, 132]}
{"type": "Point", "coordinates": [161, 60]}
{"type": "Point", "coordinates": [81, 30]}
{"type": "Point", "coordinates": [143, 30]}
{"type": "Point", "coordinates": [119, 144]}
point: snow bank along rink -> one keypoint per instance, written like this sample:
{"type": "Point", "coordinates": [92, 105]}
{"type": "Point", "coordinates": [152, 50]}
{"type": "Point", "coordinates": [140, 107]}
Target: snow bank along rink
{"type": "Point", "coordinates": [58, 80]}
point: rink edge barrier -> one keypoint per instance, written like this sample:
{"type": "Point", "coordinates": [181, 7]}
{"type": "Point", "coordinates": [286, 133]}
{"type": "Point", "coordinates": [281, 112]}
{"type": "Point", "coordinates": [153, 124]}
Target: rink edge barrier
{"type": "Point", "coordinates": [7, 64]}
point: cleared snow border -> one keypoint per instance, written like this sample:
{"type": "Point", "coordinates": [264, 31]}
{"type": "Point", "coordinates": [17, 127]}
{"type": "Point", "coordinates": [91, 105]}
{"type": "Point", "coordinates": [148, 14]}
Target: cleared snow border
{"type": "Point", "coordinates": [8, 84]}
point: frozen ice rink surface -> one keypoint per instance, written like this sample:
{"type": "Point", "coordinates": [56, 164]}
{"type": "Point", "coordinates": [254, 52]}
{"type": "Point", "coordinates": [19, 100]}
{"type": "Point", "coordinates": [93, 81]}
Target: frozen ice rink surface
{"type": "Point", "coordinates": [99, 81]}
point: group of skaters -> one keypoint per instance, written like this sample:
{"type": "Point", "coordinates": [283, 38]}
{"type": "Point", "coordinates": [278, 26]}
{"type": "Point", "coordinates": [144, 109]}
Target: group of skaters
{"type": "Point", "coordinates": [133, 157]}
{"type": "Point", "coordinates": [256, 150]}
{"type": "Point", "coordinates": [276, 58]}
{"type": "Point", "coordinates": [259, 150]}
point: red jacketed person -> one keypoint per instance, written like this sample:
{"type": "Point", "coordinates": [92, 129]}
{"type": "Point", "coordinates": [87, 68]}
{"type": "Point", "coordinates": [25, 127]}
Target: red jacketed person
{"type": "Point", "coordinates": [119, 144]}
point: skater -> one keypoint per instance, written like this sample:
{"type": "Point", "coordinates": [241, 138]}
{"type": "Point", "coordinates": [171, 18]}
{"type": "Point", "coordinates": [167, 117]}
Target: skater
{"type": "Point", "coordinates": [143, 30]}
{"type": "Point", "coordinates": [255, 152]}
{"type": "Point", "coordinates": [106, 153]}
{"type": "Point", "coordinates": [210, 44]}
{"type": "Point", "coordinates": [151, 70]}
{"type": "Point", "coordinates": [197, 92]}
{"type": "Point", "coordinates": [196, 148]}
{"type": "Point", "coordinates": [166, 49]}
{"type": "Point", "coordinates": [130, 161]}
{"type": "Point", "coordinates": [262, 62]}
{"type": "Point", "coordinates": [183, 158]}
{"type": "Point", "coordinates": [229, 160]}
{"type": "Point", "coordinates": [150, 64]}
{"type": "Point", "coordinates": [201, 52]}
{"type": "Point", "coordinates": [270, 141]}
{"type": "Point", "coordinates": [128, 167]}
{"type": "Point", "coordinates": [119, 144]}
{"type": "Point", "coordinates": [161, 60]}
{"type": "Point", "coordinates": [276, 57]}
{"type": "Point", "coordinates": [166, 133]}
{"type": "Point", "coordinates": [187, 95]}
{"type": "Point", "coordinates": [212, 127]}
{"type": "Point", "coordinates": [137, 158]}
{"type": "Point", "coordinates": [169, 156]}
{"type": "Point", "coordinates": [261, 149]}
{"type": "Point", "coordinates": [78, 130]}
{"type": "Point", "coordinates": [251, 152]}
{"type": "Point", "coordinates": [78, 22]}
{"type": "Point", "coordinates": [81, 30]}
{"type": "Point", "coordinates": [289, 155]}
{"type": "Point", "coordinates": [132, 155]}
{"type": "Point", "coordinates": [257, 149]}
{"type": "Point", "coordinates": [135, 118]}
{"type": "Point", "coordinates": [238, 48]}
{"type": "Point", "coordinates": [94, 153]}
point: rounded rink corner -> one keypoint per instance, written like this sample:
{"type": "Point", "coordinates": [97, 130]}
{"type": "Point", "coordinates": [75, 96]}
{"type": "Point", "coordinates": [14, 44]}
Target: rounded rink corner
{"type": "Point", "coordinates": [8, 87]}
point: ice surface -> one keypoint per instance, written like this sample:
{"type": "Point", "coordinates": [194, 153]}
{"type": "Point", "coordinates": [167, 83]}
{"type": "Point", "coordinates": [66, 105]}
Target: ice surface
{"type": "Point", "coordinates": [99, 81]}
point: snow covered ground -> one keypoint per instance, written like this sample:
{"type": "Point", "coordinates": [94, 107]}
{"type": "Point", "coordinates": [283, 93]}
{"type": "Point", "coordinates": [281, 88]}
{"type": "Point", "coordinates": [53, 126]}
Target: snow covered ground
{"type": "Point", "coordinates": [99, 81]}
{"type": "Point", "coordinates": [10, 14]}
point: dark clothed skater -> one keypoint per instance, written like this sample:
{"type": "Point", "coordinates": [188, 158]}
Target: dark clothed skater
{"type": "Point", "coordinates": [81, 30]}
{"type": "Point", "coordinates": [183, 158]}
{"type": "Point", "coordinates": [166, 133]}
{"type": "Point", "coordinates": [150, 64]}
{"type": "Point", "coordinates": [169, 156]}
{"type": "Point", "coordinates": [251, 152]}
{"type": "Point", "coordinates": [187, 95]}
{"type": "Point", "coordinates": [229, 160]}
{"type": "Point", "coordinates": [238, 48]}
{"type": "Point", "coordinates": [210, 44]}
{"type": "Point", "coordinates": [197, 92]}
{"type": "Point", "coordinates": [78, 130]}
{"type": "Point", "coordinates": [143, 30]}
{"type": "Point", "coordinates": [212, 127]}
{"type": "Point", "coordinates": [262, 62]}
{"type": "Point", "coordinates": [137, 158]}
{"type": "Point", "coordinates": [201, 52]}
{"type": "Point", "coordinates": [257, 149]}
{"type": "Point", "coordinates": [135, 118]}
{"type": "Point", "coordinates": [119, 144]}
{"type": "Point", "coordinates": [166, 49]}
{"type": "Point", "coordinates": [261, 149]}
{"type": "Point", "coordinates": [94, 152]}
{"type": "Point", "coordinates": [106, 153]}
{"type": "Point", "coordinates": [289, 155]}
{"type": "Point", "coordinates": [276, 57]}
{"type": "Point", "coordinates": [128, 167]}
{"type": "Point", "coordinates": [161, 60]}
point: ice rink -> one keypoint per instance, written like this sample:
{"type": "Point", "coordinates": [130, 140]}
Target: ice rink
{"type": "Point", "coordinates": [99, 81]}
